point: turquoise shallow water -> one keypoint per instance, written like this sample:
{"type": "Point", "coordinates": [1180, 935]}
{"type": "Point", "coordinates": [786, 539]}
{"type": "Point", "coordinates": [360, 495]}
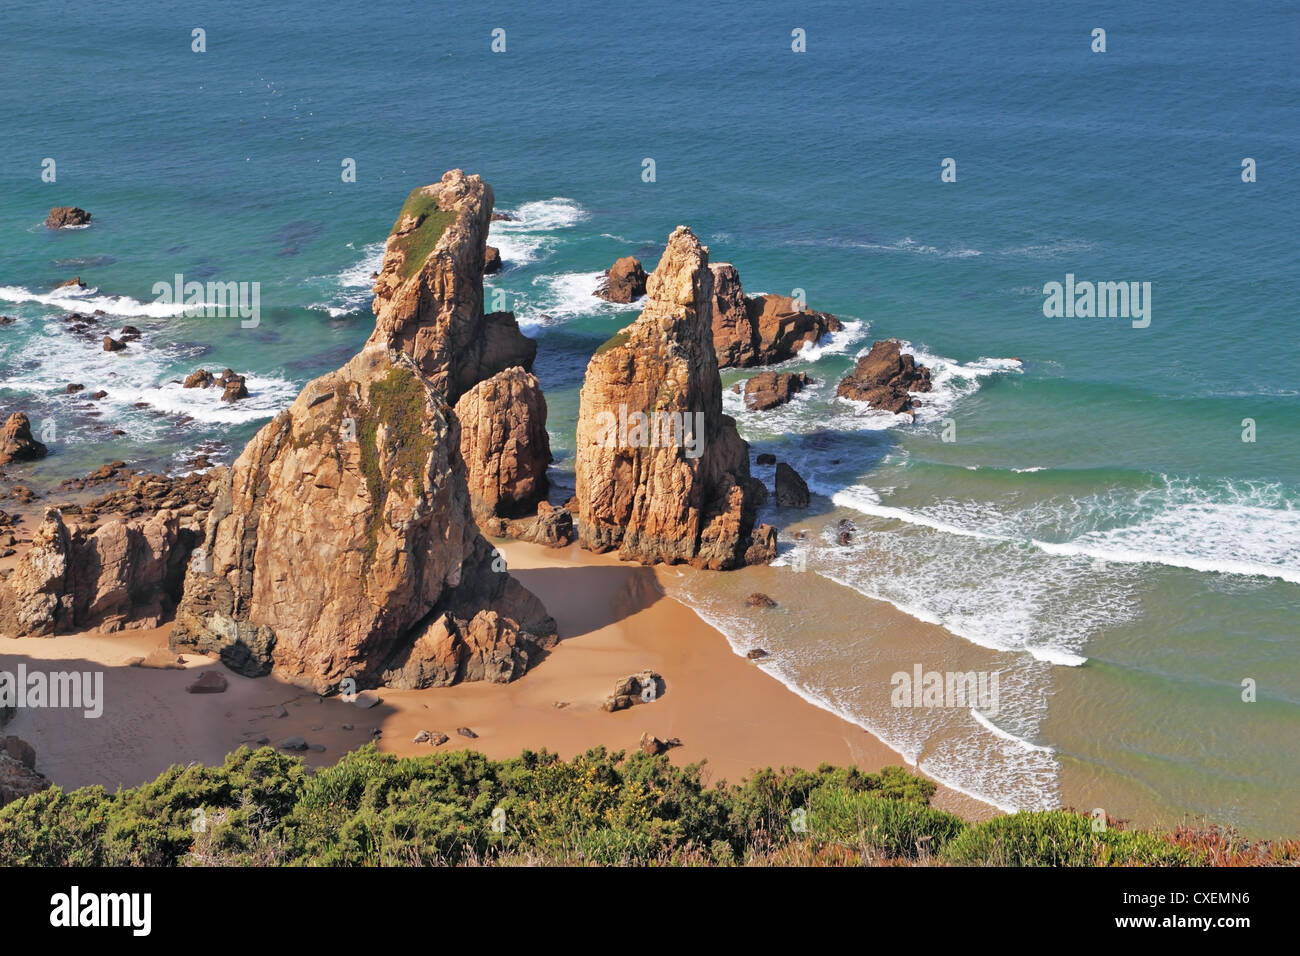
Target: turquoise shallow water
{"type": "Point", "coordinates": [1098, 530]}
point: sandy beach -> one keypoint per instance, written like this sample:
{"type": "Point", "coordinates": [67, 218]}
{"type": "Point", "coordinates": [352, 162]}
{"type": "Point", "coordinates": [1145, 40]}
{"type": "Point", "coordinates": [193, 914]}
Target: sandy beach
{"type": "Point", "coordinates": [614, 620]}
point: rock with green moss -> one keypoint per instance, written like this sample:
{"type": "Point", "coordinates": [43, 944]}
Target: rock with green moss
{"type": "Point", "coordinates": [341, 546]}
{"type": "Point", "coordinates": [429, 293]}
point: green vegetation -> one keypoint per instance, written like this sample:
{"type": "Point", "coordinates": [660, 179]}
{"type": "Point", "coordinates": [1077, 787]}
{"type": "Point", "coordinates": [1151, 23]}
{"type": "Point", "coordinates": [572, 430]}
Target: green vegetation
{"type": "Point", "coordinates": [419, 242]}
{"type": "Point", "coordinates": [265, 808]}
{"type": "Point", "coordinates": [398, 400]}
{"type": "Point", "coordinates": [618, 339]}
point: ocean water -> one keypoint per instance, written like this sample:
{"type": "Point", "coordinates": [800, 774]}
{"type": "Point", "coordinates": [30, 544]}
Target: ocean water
{"type": "Point", "coordinates": [1097, 532]}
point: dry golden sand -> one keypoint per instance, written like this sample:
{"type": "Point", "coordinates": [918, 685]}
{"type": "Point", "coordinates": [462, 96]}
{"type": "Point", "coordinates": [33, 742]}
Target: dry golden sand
{"type": "Point", "coordinates": [614, 620]}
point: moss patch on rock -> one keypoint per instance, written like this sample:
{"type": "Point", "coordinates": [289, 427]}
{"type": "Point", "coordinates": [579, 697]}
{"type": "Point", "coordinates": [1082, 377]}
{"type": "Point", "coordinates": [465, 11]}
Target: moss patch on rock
{"type": "Point", "coordinates": [618, 339]}
{"type": "Point", "coordinates": [398, 400]}
{"type": "Point", "coordinates": [416, 245]}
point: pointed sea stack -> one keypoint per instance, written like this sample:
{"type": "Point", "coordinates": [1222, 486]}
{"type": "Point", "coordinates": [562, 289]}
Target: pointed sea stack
{"type": "Point", "coordinates": [342, 543]}
{"type": "Point", "coordinates": [661, 500]}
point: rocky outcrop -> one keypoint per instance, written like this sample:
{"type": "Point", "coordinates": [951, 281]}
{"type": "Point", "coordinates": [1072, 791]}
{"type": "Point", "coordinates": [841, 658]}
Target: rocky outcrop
{"type": "Point", "coordinates": [624, 282]}
{"type": "Point", "coordinates": [17, 442]}
{"type": "Point", "coordinates": [551, 526]}
{"type": "Point", "coordinates": [429, 294]}
{"type": "Point", "coordinates": [36, 600]}
{"type": "Point", "coordinates": [762, 329]}
{"type": "Point", "coordinates": [884, 377]}
{"type": "Point", "coordinates": [125, 573]}
{"type": "Point", "coordinates": [504, 443]}
{"type": "Point", "coordinates": [18, 775]}
{"type": "Point", "coordinates": [679, 488]}
{"type": "Point", "coordinates": [491, 260]}
{"type": "Point", "coordinates": [342, 545]}
{"type": "Point", "coordinates": [791, 489]}
{"type": "Point", "coordinates": [644, 687]}
{"type": "Point", "coordinates": [61, 217]}
{"type": "Point", "coordinates": [772, 389]}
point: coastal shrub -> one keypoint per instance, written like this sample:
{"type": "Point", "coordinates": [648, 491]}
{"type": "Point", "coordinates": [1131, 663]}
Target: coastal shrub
{"type": "Point", "coordinates": [764, 808]}
{"type": "Point", "coordinates": [879, 826]}
{"type": "Point", "coordinates": [154, 824]}
{"type": "Point", "coordinates": [373, 808]}
{"type": "Point", "coordinates": [1058, 838]}
{"type": "Point", "coordinates": [600, 808]}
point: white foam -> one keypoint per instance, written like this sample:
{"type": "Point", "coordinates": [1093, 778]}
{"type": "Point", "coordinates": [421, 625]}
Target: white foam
{"type": "Point", "coordinates": [557, 298]}
{"type": "Point", "coordinates": [559, 212]}
{"type": "Point", "coordinates": [354, 284]}
{"type": "Point", "coordinates": [1001, 772]}
{"type": "Point", "coordinates": [998, 731]}
{"type": "Point", "coordinates": [87, 300]}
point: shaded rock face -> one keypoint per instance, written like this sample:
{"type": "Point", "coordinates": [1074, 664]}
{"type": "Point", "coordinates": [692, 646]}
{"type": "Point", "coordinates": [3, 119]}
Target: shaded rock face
{"type": "Point", "coordinates": [429, 293]}
{"type": "Point", "coordinates": [63, 216]}
{"type": "Point", "coordinates": [342, 546]}
{"type": "Point", "coordinates": [659, 497]}
{"type": "Point", "coordinates": [772, 389]}
{"type": "Point", "coordinates": [491, 260]}
{"type": "Point", "coordinates": [551, 526]}
{"type": "Point", "coordinates": [18, 775]}
{"type": "Point", "coordinates": [762, 329]}
{"type": "Point", "coordinates": [884, 377]}
{"type": "Point", "coordinates": [791, 489]}
{"type": "Point", "coordinates": [504, 443]}
{"type": "Point", "coordinates": [17, 442]}
{"type": "Point", "coordinates": [125, 573]}
{"type": "Point", "coordinates": [624, 282]}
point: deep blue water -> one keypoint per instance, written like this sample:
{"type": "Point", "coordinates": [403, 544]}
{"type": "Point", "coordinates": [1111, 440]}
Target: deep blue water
{"type": "Point", "coordinates": [818, 171]}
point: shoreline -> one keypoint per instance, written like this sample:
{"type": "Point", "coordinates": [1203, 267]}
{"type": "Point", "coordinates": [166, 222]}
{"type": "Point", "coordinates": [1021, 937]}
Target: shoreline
{"type": "Point", "coordinates": [615, 619]}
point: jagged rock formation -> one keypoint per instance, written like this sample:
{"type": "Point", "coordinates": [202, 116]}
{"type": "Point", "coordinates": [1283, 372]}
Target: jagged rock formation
{"type": "Point", "coordinates": [491, 260]}
{"type": "Point", "coordinates": [429, 294]}
{"type": "Point", "coordinates": [551, 526]}
{"type": "Point", "coordinates": [762, 329]}
{"type": "Point", "coordinates": [429, 305]}
{"type": "Point", "coordinates": [884, 377]}
{"type": "Point", "coordinates": [125, 573]}
{"type": "Point", "coordinates": [505, 445]}
{"type": "Point", "coordinates": [663, 493]}
{"type": "Point", "coordinates": [771, 389]}
{"type": "Point", "coordinates": [342, 544]}
{"type": "Point", "coordinates": [624, 282]}
{"type": "Point", "coordinates": [17, 442]}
